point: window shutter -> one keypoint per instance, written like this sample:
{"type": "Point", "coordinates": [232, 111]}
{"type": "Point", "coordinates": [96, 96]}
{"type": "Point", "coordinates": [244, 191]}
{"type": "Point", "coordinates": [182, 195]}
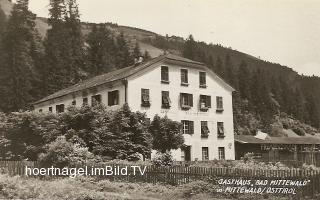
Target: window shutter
{"type": "Point", "coordinates": [117, 97]}
{"type": "Point", "coordinates": [190, 96]}
{"type": "Point", "coordinates": [191, 128]}
{"type": "Point", "coordinates": [208, 101]}
{"type": "Point", "coordinates": [181, 99]}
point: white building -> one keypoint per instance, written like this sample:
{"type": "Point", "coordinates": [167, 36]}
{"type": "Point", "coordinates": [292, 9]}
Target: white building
{"type": "Point", "coordinates": [180, 88]}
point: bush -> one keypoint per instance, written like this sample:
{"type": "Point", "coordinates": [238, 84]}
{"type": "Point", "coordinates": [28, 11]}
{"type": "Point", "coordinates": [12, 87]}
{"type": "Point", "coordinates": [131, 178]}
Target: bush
{"type": "Point", "coordinates": [163, 159]}
{"type": "Point", "coordinates": [62, 153]}
{"type": "Point", "coordinates": [299, 131]}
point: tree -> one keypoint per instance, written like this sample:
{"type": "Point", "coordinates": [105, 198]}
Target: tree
{"type": "Point", "coordinates": [131, 136]}
{"type": "Point", "coordinates": [219, 67]}
{"type": "Point", "coordinates": [123, 56]}
{"type": "Point", "coordinates": [243, 80]}
{"type": "Point", "coordinates": [63, 47]}
{"type": "Point", "coordinates": [146, 55]}
{"type": "Point", "coordinates": [311, 107]}
{"type": "Point", "coordinates": [101, 50]}
{"type": "Point", "coordinates": [19, 61]}
{"type": "Point", "coordinates": [166, 134]}
{"type": "Point", "coordinates": [136, 51]}
{"type": "Point", "coordinates": [229, 74]}
{"type": "Point", "coordinates": [3, 20]}
{"type": "Point", "coordinates": [189, 49]}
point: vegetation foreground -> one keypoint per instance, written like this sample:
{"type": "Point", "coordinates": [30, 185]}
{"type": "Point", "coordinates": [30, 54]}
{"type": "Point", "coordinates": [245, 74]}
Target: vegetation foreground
{"type": "Point", "coordinates": [88, 188]}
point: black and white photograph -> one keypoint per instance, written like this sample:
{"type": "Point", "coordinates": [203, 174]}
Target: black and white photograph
{"type": "Point", "coordinates": [160, 99]}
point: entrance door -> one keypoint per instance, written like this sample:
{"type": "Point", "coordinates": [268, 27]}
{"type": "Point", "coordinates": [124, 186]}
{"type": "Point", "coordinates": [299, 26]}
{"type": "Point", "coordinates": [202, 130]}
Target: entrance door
{"type": "Point", "coordinates": [187, 153]}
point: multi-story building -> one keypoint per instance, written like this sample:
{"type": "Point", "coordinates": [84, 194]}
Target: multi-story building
{"type": "Point", "coordinates": [182, 89]}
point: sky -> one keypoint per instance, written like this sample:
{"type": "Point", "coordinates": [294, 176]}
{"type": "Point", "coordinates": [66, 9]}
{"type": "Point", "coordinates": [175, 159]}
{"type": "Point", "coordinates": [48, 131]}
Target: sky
{"type": "Point", "coordinates": [281, 31]}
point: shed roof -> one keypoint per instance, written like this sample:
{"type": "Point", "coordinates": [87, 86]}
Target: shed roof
{"type": "Point", "coordinates": [250, 139]}
{"type": "Point", "coordinates": [121, 74]}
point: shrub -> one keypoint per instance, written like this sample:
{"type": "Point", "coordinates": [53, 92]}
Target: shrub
{"type": "Point", "coordinates": [163, 159]}
{"type": "Point", "coordinates": [299, 131]}
{"type": "Point", "coordinates": [62, 153]}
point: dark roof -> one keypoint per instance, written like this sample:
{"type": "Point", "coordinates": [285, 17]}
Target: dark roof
{"type": "Point", "coordinates": [250, 139]}
{"type": "Point", "coordinates": [117, 75]}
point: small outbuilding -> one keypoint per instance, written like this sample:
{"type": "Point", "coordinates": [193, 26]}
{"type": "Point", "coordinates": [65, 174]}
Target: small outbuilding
{"type": "Point", "coordinates": [273, 149]}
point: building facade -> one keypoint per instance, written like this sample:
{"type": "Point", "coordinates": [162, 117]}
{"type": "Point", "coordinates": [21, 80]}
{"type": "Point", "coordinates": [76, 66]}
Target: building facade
{"type": "Point", "coordinates": [169, 85]}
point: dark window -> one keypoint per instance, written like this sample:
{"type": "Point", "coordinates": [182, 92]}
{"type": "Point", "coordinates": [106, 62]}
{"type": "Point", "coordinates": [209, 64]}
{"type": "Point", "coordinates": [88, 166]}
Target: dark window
{"type": "Point", "coordinates": [220, 128]}
{"type": "Point", "coordinates": [221, 153]}
{"type": "Point", "coordinates": [74, 102]}
{"type": "Point", "coordinates": [96, 99]}
{"type": "Point", "coordinates": [60, 108]}
{"type": "Point", "coordinates": [50, 109]}
{"type": "Point", "coordinates": [205, 153]}
{"type": "Point", "coordinates": [186, 101]}
{"type": "Point", "coordinates": [165, 99]}
{"type": "Point", "coordinates": [187, 127]}
{"type": "Point", "coordinates": [202, 79]}
{"type": "Point", "coordinates": [219, 104]}
{"type": "Point", "coordinates": [204, 129]}
{"type": "Point", "coordinates": [85, 101]}
{"type": "Point", "coordinates": [113, 98]}
{"type": "Point", "coordinates": [184, 77]}
{"type": "Point", "coordinates": [145, 98]}
{"type": "Point", "coordinates": [164, 74]}
{"type": "Point", "coordinates": [205, 102]}
{"type": "Point", "coordinates": [40, 110]}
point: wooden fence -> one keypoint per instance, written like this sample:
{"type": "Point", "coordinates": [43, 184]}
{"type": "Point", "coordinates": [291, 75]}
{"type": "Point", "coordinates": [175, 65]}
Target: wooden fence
{"type": "Point", "coordinates": [178, 175]}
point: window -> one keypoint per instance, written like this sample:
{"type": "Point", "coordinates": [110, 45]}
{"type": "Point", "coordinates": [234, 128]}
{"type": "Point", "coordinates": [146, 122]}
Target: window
{"type": "Point", "coordinates": [220, 130]}
{"type": "Point", "coordinates": [205, 153]}
{"type": "Point", "coordinates": [96, 99]}
{"type": "Point", "coordinates": [186, 101]}
{"type": "Point", "coordinates": [184, 77]}
{"type": "Point", "coordinates": [164, 74]}
{"type": "Point", "coordinates": [165, 99]}
{"type": "Point", "coordinates": [205, 102]}
{"type": "Point", "coordinates": [204, 129]}
{"type": "Point", "coordinates": [202, 79]}
{"type": "Point", "coordinates": [187, 127]}
{"type": "Point", "coordinates": [60, 108]}
{"type": "Point", "coordinates": [40, 110]}
{"type": "Point", "coordinates": [221, 153]}
{"type": "Point", "coordinates": [74, 102]}
{"type": "Point", "coordinates": [219, 104]}
{"type": "Point", "coordinates": [50, 109]}
{"type": "Point", "coordinates": [85, 101]}
{"type": "Point", "coordinates": [113, 98]}
{"type": "Point", "coordinates": [145, 98]}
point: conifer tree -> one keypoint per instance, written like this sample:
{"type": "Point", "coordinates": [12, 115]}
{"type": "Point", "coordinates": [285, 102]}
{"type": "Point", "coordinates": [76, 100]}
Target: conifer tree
{"type": "Point", "coordinates": [313, 111]}
{"type": "Point", "coordinates": [123, 57]}
{"type": "Point", "coordinates": [189, 50]}
{"type": "Point", "coordinates": [243, 80]}
{"type": "Point", "coordinates": [146, 55]}
{"type": "Point", "coordinates": [100, 51]}
{"type": "Point", "coordinates": [19, 58]}
{"type": "Point", "coordinates": [136, 51]}
{"type": "Point", "coordinates": [63, 46]}
{"type": "Point", "coordinates": [219, 67]}
{"type": "Point", "coordinates": [229, 72]}
{"type": "Point", "coordinates": [2, 21]}
{"type": "Point", "coordinates": [2, 30]}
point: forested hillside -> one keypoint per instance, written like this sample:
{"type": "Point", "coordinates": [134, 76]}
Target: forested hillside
{"type": "Point", "coordinates": [39, 56]}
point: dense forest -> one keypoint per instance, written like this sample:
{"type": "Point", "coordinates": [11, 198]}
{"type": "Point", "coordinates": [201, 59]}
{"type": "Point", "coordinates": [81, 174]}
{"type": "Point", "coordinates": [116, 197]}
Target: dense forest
{"type": "Point", "coordinates": [267, 95]}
